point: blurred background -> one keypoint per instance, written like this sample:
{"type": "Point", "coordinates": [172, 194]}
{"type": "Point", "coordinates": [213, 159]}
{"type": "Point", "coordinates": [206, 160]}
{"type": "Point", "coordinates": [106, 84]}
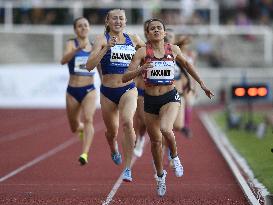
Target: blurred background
{"type": "Point", "coordinates": [233, 41]}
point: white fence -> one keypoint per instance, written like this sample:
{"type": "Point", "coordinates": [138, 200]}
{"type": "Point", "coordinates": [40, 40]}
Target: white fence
{"type": "Point", "coordinates": [35, 86]}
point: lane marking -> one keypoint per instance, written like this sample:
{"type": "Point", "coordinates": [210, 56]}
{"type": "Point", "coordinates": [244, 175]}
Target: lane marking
{"type": "Point", "coordinates": [119, 181]}
{"type": "Point", "coordinates": [217, 137]}
{"type": "Point", "coordinates": [40, 158]}
{"type": "Point", "coordinates": [116, 185]}
{"type": "Point", "coordinates": [46, 155]}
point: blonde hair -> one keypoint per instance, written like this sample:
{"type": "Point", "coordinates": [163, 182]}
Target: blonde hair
{"type": "Point", "coordinates": [107, 28]}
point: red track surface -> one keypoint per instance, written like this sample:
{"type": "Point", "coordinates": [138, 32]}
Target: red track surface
{"type": "Point", "coordinates": [58, 179]}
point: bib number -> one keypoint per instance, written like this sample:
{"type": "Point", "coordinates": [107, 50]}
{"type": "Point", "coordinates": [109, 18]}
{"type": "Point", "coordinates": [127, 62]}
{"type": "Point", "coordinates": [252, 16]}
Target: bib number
{"type": "Point", "coordinates": [80, 64]}
{"type": "Point", "coordinates": [122, 55]}
{"type": "Point", "coordinates": [162, 72]}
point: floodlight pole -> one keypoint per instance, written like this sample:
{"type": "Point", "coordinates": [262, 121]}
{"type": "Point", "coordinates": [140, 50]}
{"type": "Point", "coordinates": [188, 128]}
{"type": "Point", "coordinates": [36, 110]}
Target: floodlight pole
{"type": "Point", "coordinates": [249, 125]}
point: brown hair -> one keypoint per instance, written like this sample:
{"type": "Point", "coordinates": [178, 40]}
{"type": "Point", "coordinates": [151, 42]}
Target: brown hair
{"type": "Point", "coordinates": [76, 20]}
{"type": "Point", "coordinates": [107, 28]}
{"type": "Point", "coordinates": [145, 25]}
{"type": "Point", "coordinates": [183, 41]}
{"type": "Point", "coordinates": [152, 20]}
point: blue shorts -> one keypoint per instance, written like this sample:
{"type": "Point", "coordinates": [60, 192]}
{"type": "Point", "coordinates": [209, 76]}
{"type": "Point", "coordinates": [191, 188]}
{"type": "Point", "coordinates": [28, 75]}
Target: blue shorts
{"type": "Point", "coordinates": [140, 92]}
{"type": "Point", "coordinates": [153, 104]}
{"type": "Point", "coordinates": [80, 92]}
{"type": "Point", "coordinates": [114, 94]}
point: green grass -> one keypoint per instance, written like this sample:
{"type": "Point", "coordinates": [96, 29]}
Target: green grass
{"type": "Point", "coordinates": [256, 151]}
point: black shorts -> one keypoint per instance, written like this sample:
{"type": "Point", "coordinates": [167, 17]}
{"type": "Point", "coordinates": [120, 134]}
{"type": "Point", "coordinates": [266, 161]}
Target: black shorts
{"type": "Point", "coordinates": [152, 104]}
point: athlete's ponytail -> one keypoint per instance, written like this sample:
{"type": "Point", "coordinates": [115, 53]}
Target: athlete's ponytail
{"type": "Point", "coordinates": [107, 28]}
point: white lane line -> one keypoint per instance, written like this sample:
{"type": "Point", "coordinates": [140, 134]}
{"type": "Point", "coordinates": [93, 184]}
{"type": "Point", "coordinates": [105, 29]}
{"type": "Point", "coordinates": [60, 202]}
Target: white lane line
{"type": "Point", "coordinates": [119, 181]}
{"type": "Point", "coordinates": [36, 128]}
{"type": "Point", "coordinates": [46, 155]}
{"type": "Point", "coordinates": [40, 158]}
{"type": "Point", "coordinates": [216, 137]}
{"type": "Point", "coordinates": [116, 186]}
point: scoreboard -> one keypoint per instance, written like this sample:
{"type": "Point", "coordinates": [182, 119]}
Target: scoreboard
{"type": "Point", "coordinates": [250, 91]}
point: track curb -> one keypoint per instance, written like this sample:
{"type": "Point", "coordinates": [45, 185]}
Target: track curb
{"type": "Point", "coordinates": [234, 160]}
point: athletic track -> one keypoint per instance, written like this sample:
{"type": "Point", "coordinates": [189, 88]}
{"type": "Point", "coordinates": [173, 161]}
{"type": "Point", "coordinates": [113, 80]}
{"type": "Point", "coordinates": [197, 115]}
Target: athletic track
{"type": "Point", "coordinates": [38, 165]}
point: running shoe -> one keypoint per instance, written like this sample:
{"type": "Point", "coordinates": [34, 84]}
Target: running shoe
{"type": "Point", "coordinates": [83, 159]}
{"type": "Point", "coordinates": [161, 184]}
{"type": "Point", "coordinates": [127, 175]}
{"type": "Point", "coordinates": [116, 157]}
{"type": "Point", "coordinates": [138, 151]}
{"type": "Point", "coordinates": [177, 167]}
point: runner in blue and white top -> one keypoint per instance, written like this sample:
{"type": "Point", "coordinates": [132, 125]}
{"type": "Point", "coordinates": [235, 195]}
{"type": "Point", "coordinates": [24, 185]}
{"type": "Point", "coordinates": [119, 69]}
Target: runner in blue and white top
{"type": "Point", "coordinates": [118, 58]}
{"type": "Point", "coordinates": [77, 65]}
{"type": "Point", "coordinates": [114, 50]}
{"type": "Point", "coordinates": [81, 95]}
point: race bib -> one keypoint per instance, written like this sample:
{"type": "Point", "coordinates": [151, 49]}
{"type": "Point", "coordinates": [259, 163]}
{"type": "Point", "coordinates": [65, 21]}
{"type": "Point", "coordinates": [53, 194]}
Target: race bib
{"type": "Point", "coordinates": [162, 72]}
{"type": "Point", "coordinates": [80, 64]}
{"type": "Point", "coordinates": [121, 55]}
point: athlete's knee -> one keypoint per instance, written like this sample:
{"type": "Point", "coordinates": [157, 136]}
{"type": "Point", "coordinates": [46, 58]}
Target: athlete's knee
{"type": "Point", "coordinates": [88, 120]}
{"type": "Point", "coordinates": [127, 124]}
{"type": "Point", "coordinates": [166, 130]}
{"type": "Point", "coordinates": [111, 133]}
{"type": "Point", "coordinates": [156, 143]}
